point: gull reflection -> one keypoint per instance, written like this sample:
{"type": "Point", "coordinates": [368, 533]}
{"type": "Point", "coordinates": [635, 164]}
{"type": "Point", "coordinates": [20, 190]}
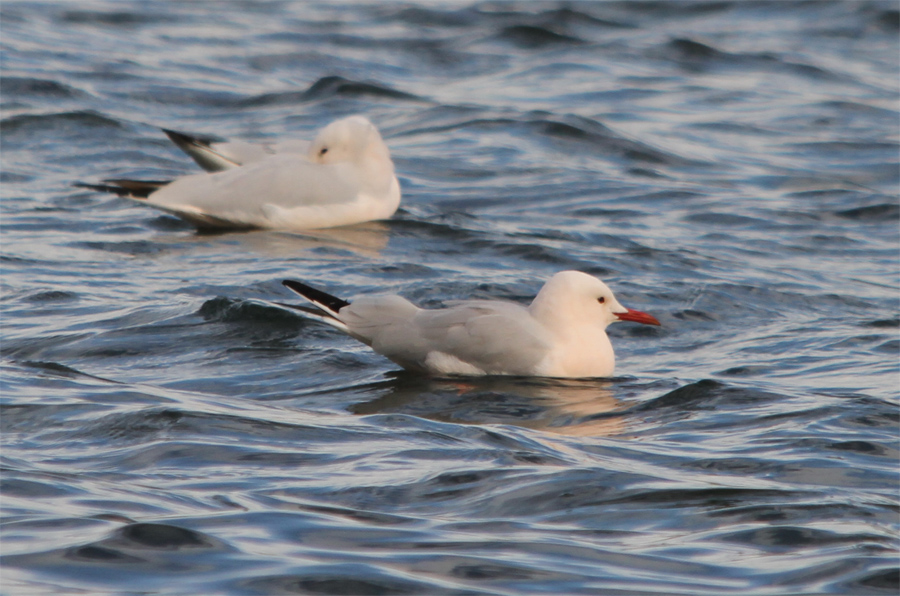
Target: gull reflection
{"type": "Point", "coordinates": [365, 240]}
{"type": "Point", "coordinates": [579, 407]}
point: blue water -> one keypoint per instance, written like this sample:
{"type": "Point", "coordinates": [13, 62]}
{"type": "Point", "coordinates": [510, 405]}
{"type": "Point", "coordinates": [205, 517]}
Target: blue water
{"type": "Point", "coordinates": [730, 167]}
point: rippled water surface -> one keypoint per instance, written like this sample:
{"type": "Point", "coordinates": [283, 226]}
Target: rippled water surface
{"type": "Point", "coordinates": [730, 167]}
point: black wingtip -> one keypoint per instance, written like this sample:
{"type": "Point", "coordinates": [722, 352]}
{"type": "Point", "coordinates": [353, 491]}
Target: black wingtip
{"type": "Point", "coordinates": [122, 192]}
{"type": "Point", "coordinates": [136, 189]}
{"type": "Point", "coordinates": [114, 189]}
{"type": "Point", "coordinates": [179, 138]}
{"type": "Point", "coordinates": [333, 303]}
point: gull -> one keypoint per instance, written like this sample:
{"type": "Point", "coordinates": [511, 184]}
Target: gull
{"type": "Point", "coordinates": [562, 333]}
{"type": "Point", "coordinates": [346, 176]}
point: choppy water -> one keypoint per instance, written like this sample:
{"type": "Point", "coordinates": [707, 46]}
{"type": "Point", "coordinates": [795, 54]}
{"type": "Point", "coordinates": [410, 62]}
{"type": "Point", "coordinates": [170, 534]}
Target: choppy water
{"type": "Point", "coordinates": [731, 167]}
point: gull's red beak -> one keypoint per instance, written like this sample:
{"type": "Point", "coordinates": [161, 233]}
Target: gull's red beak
{"type": "Point", "coordinates": [637, 316]}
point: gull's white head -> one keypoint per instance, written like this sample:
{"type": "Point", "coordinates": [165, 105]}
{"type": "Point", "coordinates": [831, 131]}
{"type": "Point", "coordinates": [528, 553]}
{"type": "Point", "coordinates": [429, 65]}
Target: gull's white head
{"type": "Point", "coordinates": [577, 296]}
{"type": "Point", "coordinates": [349, 139]}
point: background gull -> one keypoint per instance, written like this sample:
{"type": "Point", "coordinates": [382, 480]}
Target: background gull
{"type": "Point", "coordinates": [346, 177]}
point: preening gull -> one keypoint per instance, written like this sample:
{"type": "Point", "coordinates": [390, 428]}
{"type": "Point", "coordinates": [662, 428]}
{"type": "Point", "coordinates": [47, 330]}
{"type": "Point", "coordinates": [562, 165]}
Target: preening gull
{"type": "Point", "coordinates": [562, 333]}
{"type": "Point", "coordinates": [346, 176]}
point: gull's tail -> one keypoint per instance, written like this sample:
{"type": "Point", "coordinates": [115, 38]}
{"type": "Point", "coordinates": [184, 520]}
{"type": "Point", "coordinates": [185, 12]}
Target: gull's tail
{"type": "Point", "coordinates": [140, 191]}
{"type": "Point", "coordinates": [327, 306]}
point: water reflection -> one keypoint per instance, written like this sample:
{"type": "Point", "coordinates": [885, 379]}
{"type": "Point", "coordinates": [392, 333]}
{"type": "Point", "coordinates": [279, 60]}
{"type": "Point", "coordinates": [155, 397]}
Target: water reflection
{"type": "Point", "coordinates": [573, 407]}
{"type": "Point", "coordinates": [365, 240]}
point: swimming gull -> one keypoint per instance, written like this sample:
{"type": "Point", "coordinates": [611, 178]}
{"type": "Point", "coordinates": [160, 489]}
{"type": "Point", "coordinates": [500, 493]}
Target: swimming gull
{"type": "Point", "coordinates": [346, 176]}
{"type": "Point", "coordinates": [562, 333]}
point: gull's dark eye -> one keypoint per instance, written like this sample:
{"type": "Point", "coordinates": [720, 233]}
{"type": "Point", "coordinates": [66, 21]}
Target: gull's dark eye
{"type": "Point", "coordinates": [601, 299]}
{"type": "Point", "coordinates": [323, 151]}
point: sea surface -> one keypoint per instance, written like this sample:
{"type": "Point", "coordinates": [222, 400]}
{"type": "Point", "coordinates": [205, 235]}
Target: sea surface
{"type": "Point", "coordinates": [730, 167]}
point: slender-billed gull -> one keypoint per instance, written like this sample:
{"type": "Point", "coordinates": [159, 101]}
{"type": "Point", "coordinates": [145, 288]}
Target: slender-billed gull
{"type": "Point", "coordinates": [562, 333]}
{"type": "Point", "coordinates": [346, 176]}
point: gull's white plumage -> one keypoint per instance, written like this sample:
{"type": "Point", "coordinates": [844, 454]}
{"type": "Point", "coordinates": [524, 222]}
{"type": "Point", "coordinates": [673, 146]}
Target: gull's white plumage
{"type": "Point", "coordinates": [561, 334]}
{"type": "Point", "coordinates": [346, 176]}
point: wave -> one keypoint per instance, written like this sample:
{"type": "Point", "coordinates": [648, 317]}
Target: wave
{"type": "Point", "coordinates": [33, 123]}
{"type": "Point", "coordinates": [327, 87]}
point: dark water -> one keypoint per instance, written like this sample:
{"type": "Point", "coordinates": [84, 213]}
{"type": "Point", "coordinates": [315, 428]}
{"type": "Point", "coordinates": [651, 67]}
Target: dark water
{"type": "Point", "coordinates": [731, 167]}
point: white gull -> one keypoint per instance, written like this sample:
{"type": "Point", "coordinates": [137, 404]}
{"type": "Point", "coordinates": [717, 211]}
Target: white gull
{"type": "Point", "coordinates": [562, 333]}
{"type": "Point", "coordinates": [345, 177]}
